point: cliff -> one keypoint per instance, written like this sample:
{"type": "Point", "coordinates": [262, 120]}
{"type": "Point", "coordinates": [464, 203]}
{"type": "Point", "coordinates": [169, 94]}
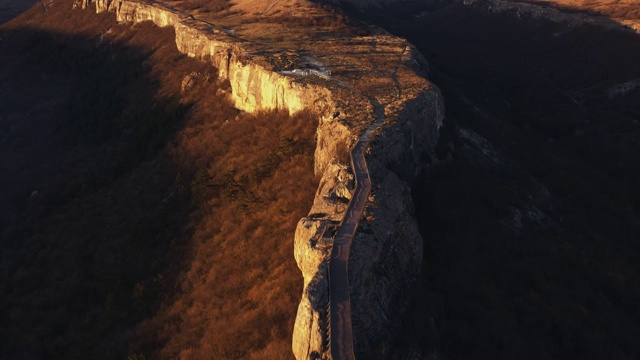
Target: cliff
{"type": "Point", "coordinates": [374, 84]}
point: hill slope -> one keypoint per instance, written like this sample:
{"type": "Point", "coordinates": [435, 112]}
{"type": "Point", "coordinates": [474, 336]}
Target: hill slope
{"type": "Point", "coordinates": [531, 227]}
{"type": "Point", "coordinates": [137, 204]}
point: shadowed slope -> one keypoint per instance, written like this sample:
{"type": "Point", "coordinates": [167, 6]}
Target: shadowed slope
{"type": "Point", "coordinates": [154, 200]}
{"type": "Point", "coordinates": [532, 228]}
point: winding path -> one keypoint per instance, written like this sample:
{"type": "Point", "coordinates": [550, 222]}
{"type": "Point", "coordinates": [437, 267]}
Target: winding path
{"type": "Point", "coordinates": [340, 326]}
{"type": "Point", "coordinates": [341, 329]}
{"type": "Point", "coordinates": [266, 10]}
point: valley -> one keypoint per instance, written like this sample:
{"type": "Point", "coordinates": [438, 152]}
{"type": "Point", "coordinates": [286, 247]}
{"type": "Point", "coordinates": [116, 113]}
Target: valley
{"type": "Point", "coordinates": [531, 220]}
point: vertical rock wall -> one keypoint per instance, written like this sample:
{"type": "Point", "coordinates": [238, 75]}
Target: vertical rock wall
{"type": "Point", "coordinates": [254, 85]}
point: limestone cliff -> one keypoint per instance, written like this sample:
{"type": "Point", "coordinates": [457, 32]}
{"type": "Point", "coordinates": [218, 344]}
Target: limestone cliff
{"type": "Point", "coordinates": [387, 91]}
{"type": "Point", "coordinates": [386, 255]}
{"type": "Point", "coordinates": [254, 86]}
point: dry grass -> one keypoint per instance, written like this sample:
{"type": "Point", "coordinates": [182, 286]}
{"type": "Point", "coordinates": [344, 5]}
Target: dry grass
{"type": "Point", "coordinates": [324, 19]}
{"type": "Point", "coordinates": [171, 233]}
{"type": "Point", "coordinates": [239, 293]}
{"type": "Point", "coordinates": [205, 6]}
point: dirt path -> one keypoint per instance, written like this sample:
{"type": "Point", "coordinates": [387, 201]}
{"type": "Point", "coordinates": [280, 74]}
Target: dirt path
{"type": "Point", "coordinates": [273, 3]}
{"type": "Point", "coordinates": [341, 328]}
{"type": "Point", "coordinates": [340, 325]}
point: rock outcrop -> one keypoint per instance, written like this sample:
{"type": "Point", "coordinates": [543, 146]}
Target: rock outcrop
{"type": "Point", "coordinates": [386, 255]}
{"type": "Point", "coordinates": [387, 252]}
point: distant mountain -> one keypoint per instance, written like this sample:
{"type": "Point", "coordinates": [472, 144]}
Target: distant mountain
{"type": "Point", "coordinates": [12, 8]}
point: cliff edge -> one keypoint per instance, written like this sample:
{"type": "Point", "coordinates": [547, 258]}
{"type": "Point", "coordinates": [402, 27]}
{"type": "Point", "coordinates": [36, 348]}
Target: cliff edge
{"type": "Point", "coordinates": [355, 82]}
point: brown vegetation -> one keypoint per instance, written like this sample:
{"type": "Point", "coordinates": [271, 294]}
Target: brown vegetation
{"type": "Point", "coordinates": [163, 221]}
{"type": "Point", "coordinates": [238, 295]}
{"type": "Point", "coordinates": [334, 23]}
{"type": "Point", "coordinates": [205, 6]}
{"type": "Point", "coordinates": [328, 19]}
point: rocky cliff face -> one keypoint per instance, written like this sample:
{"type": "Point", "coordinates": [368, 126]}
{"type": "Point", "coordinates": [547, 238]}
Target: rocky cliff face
{"type": "Point", "coordinates": [254, 86]}
{"type": "Point", "coordinates": [387, 253]}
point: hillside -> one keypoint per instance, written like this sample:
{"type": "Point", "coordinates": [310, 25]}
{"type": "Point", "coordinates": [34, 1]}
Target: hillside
{"type": "Point", "coordinates": [136, 203]}
{"type": "Point", "coordinates": [532, 219]}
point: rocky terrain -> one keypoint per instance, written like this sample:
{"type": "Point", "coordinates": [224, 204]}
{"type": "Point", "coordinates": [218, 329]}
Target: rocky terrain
{"type": "Point", "coordinates": [350, 78]}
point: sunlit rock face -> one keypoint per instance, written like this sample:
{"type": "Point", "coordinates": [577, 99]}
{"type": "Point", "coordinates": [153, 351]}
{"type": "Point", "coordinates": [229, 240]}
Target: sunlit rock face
{"type": "Point", "coordinates": [387, 253]}
{"type": "Point", "coordinates": [312, 250]}
{"type": "Point", "coordinates": [254, 87]}
{"type": "Point", "coordinates": [386, 256]}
